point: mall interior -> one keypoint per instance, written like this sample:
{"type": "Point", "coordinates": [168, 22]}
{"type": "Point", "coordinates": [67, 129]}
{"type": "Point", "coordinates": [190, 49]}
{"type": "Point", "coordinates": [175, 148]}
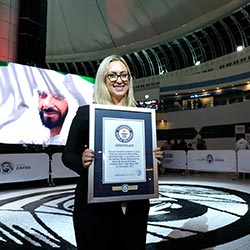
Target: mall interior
{"type": "Point", "coordinates": [190, 64]}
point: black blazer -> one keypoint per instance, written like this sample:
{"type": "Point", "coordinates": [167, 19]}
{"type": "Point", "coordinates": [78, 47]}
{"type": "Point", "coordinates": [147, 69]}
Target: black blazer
{"type": "Point", "coordinates": [105, 216]}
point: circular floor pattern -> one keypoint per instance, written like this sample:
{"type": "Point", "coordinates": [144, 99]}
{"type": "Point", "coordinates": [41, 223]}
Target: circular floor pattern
{"type": "Point", "coordinates": [197, 217]}
{"type": "Point", "coordinates": [183, 217]}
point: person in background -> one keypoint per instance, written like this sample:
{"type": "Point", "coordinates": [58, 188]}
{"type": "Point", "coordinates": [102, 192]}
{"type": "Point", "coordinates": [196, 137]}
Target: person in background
{"type": "Point", "coordinates": [242, 143]}
{"type": "Point", "coordinates": [201, 144]}
{"type": "Point", "coordinates": [182, 144]}
{"type": "Point", "coordinates": [175, 145]}
{"type": "Point", "coordinates": [167, 145]}
{"type": "Point", "coordinates": [190, 146]}
{"type": "Point", "coordinates": [189, 104]}
{"type": "Point", "coordinates": [199, 103]}
{"type": "Point", "coordinates": [53, 109]}
{"type": "Point", "coordinates": [195, 104]}
{"type": "Point", "coordinates": [110, 225]}
{"type": "Point", "coordinates": [176, 105]}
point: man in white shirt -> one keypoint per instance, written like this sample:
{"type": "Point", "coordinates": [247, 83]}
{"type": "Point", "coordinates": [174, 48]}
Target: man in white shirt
{"type": "Point", "coordinates": [242, 143]}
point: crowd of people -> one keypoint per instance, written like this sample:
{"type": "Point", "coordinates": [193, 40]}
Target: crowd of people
{"type": "Point", "coordinates": [181, 144]}
{"type": "Point", "coordinates": [200, 144]}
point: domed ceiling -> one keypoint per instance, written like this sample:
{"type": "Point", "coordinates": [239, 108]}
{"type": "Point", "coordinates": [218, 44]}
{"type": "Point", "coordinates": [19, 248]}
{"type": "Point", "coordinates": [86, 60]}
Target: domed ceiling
{"type": "Point", "coordinates": [81, 30]}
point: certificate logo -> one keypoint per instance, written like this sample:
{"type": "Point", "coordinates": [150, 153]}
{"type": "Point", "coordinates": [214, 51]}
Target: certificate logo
{"type": "Point", "coordinates": [125, 188]}
{"type": "Point", "coordinates": [124, 133]}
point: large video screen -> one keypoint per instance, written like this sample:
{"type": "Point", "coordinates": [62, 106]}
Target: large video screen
{"type": "Point", "coordinates": [37, 105]}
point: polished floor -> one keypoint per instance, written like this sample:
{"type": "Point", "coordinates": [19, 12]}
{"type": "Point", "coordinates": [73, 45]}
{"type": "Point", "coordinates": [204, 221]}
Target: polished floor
{"type": "Point", "coordinates": [193, 211]}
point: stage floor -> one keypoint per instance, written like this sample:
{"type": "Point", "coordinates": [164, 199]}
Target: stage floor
{"type": "Point", "coordinates": [193, 211]}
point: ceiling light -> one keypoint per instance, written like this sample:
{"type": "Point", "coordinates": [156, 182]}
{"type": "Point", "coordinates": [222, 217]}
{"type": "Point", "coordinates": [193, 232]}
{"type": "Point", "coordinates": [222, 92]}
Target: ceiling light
{"type": "Point", "coordinates": [239, 48]}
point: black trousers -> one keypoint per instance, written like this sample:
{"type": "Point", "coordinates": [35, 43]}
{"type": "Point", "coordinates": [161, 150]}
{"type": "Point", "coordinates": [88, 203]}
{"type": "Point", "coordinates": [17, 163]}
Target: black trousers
{"type": "Point", "coordinates": [106, 227]}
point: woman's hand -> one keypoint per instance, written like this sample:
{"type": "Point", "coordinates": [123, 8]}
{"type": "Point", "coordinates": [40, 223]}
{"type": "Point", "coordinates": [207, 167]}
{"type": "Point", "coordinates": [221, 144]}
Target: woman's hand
{"type": "Point", "coordinates": [158, 154]}
{"type": "Point", "coordinates": [87, 157]}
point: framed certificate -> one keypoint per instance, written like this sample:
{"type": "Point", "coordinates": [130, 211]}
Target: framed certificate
{"type": "Point", "coordinates": [123, 139]}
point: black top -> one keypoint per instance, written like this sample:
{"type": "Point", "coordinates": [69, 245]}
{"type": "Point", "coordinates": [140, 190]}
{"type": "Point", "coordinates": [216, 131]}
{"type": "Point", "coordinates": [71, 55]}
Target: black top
{"type": "Point", "coordinates": [101, 225]}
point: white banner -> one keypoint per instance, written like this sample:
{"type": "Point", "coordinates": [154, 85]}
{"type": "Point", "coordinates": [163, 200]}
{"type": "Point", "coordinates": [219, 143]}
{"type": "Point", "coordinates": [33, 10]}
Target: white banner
{"type": "Point", "coordinates": [58, 169]}
{"type": "Point", "coordinates": [212, 160]}
{"type": "Point", "coordinates": [243, 161]}
{"type": "Point", "coordinates": [174, 159]}
{"type": "Point", "coordinates": [23, 167]}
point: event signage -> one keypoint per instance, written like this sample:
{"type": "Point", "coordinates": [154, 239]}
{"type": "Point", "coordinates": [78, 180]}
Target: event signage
{"type": "Point", "coordinates": [212, 160]}
{"type": "Point", "coordinates": [124, 167]}
{"type": "Point", "coordinates": [23, 167]}
{"type": "Point", "coordinates": [174, 159]}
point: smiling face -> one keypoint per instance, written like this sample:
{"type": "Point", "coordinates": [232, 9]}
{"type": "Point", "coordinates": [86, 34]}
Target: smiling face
{"type": "Point", "coordinates": [53, 109]}
{"type": "Point", "coordinates": [117, 82]}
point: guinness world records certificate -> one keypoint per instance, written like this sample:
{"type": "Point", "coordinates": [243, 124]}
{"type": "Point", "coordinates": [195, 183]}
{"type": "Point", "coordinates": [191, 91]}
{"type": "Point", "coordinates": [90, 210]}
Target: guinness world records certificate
{"type": "Point", "coordinates": [124, 159]}
{"type": "Point", "coordinates": [123, 139]}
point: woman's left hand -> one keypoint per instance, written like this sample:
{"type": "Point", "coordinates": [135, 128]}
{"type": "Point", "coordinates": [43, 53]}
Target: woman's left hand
{"type": "Point", "coordinates": [158, 154]}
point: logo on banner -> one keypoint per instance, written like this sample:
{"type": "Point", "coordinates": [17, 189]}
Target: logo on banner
{"type": "Point", "coordinates": [209, 159]}
{"type": "Point", "coordinates": [124, 133]}
{"type": "Point", "coordinates": [6, 167]}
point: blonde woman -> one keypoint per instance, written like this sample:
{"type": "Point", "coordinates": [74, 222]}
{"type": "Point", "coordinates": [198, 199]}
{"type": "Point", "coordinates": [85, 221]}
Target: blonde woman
{"type": "Point", "coordinates": [111, 225]}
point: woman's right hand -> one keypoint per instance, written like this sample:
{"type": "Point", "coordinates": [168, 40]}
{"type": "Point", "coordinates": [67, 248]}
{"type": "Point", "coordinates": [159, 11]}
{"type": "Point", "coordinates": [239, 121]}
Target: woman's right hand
{"type": "Point", "coordinates": [87, 157]}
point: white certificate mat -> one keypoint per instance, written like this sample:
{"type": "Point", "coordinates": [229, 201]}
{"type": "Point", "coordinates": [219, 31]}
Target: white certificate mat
{"type": "Point", "coordinates": [123, 150]}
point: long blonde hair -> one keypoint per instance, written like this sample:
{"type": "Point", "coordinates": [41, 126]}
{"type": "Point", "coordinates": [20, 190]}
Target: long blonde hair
{"type": "Point", "coordinates": [101, 93]}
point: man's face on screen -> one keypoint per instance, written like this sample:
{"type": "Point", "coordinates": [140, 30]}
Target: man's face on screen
{"type": "Point", "coordinates": [53, 108]}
